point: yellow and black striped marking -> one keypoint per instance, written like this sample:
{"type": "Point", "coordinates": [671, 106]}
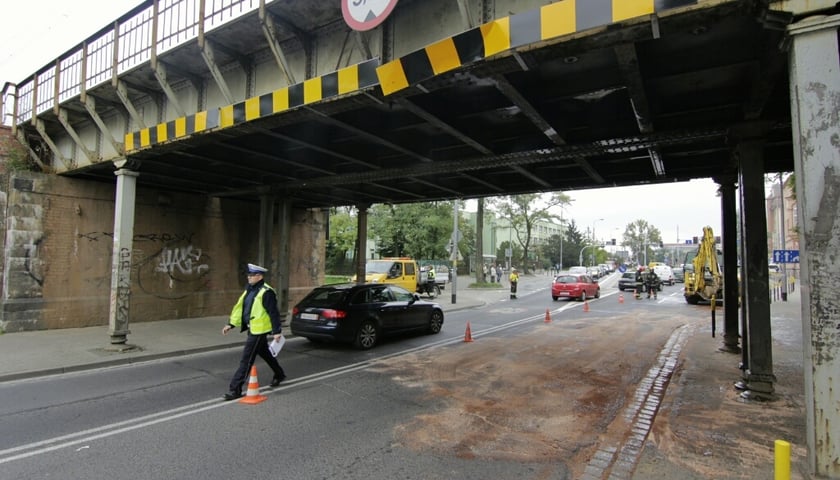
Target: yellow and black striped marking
{"type": "Point", "coordinates": [551, 21]}
{"type": "Point", "coordinates": [346, 80]}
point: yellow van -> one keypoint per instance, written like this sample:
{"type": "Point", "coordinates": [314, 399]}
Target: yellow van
{"type": "Point", "coordinates": [400, 271]}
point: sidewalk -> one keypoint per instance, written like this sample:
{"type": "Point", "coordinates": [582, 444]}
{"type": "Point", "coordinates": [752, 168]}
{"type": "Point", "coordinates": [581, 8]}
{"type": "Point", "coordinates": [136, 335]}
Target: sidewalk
{"type": "Point", "coordinates": [22, 354]}
{"type": "Point", "coordinates": [705, 430]}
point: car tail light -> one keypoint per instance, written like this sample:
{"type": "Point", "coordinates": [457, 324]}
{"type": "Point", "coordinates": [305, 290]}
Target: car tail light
{"type": "Point", "coordinates": [333, 314]}
{"type": "Point", "coordinates": [295, 311]}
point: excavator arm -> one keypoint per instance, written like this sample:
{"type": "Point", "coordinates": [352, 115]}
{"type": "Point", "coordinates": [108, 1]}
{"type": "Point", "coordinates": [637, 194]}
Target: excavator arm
{"type": "Point", "coordinates": [707, 278]}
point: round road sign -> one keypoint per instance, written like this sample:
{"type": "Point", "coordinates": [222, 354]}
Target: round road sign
{"type": "Point", "coordinates": [366, 14]}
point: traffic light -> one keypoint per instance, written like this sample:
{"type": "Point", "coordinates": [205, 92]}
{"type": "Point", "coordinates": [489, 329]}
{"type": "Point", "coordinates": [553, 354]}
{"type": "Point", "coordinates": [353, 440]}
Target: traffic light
{"type": "Point", "coordinates": [694, 240]}
{"type": "Point", "coordinates": [612, 241]}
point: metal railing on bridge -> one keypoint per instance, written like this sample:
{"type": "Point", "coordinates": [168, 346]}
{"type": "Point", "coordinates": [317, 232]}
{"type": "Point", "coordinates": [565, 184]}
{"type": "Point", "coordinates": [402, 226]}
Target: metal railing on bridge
{"type": "Point", "coordinates": [125, 45]}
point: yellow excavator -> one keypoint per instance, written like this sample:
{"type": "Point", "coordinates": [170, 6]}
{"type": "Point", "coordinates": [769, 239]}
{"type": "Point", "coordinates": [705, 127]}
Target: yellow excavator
{"type": "Point", "coordinates": [703, 278]}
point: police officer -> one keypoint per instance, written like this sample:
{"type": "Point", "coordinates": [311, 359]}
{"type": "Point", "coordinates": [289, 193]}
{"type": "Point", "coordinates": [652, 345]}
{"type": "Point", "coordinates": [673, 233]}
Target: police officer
{"type": "Point", "coordinates": [255, 312]}
{"type": "Point", "coordinates": [514, 282]}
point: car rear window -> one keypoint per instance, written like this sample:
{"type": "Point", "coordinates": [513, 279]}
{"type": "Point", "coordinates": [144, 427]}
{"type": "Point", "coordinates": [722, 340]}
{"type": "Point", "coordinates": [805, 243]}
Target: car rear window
{"type": "Point", "coordinates": [324, 298]}
{"type": "Point", "coordinates": [628, 275]}
{"type": "Point", "coordinates": [566, 279]}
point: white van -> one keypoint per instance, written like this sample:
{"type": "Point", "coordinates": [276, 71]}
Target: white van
{"type": "Point", "coordinates": [665, 274]}
{"type": "Point", "coordinates": [578, 270]}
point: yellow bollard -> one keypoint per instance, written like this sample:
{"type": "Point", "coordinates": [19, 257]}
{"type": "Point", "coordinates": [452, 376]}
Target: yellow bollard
{"type": "Point", "coordinates": [782, 460]}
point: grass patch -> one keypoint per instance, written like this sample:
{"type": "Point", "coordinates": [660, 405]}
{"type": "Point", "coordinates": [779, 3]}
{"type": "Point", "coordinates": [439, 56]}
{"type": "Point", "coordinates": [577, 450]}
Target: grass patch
{"type": "Point", "coordinates": [487, 285]}
{"type": "Point", "coordinates": [331, 279]}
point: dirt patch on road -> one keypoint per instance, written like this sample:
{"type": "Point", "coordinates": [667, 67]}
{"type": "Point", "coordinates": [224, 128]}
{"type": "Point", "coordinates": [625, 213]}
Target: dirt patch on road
{"type": "Point", "coordinates": [552, 394]}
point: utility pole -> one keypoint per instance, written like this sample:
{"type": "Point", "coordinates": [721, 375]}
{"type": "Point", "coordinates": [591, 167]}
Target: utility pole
{"type": "Point", "coordinates": [455, 251]}
{"type": "Point", "coordinates": [782, 234]}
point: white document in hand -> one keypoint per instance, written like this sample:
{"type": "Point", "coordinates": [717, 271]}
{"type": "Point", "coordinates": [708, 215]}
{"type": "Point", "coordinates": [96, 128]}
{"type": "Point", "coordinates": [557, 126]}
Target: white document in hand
{"type": "Point", "coordinates": [276, 345]}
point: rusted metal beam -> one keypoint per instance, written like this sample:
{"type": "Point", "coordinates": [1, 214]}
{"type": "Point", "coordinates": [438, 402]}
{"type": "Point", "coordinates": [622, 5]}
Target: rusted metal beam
{"type": "Point", "coordinates": [90, 106]}
{"type": "Point", "coordinates": [628, 65]}
{"type": "Point", "coordinates": [122, 93]}
{"type": "Point", "coordinates": [369, 136]}
{"type": "Point", "coordinates": [437, 122]}
{"type": "Point", "coordinates": [39, 126]}
{"type": "Point", "coordinates": [269, 30]}
{"type": "Point", "coordinates": [63, 120]}
{"type": "Point", "coordinates": [34, 155]}
{"type": "Point", "coordinates": [159, 70]}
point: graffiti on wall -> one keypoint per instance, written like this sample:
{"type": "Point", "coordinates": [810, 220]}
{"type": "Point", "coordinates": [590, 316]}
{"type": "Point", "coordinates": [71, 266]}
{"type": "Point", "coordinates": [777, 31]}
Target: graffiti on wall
{"type": "Point", "coordinates": [120, 305]}
{"type": "Point", "coordinates": [176, 269]}
{"type": "Point", "coordinates": [186, 260]}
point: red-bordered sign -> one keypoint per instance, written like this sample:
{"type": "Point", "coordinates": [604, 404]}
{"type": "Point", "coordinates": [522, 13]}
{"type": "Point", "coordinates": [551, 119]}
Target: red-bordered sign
{"type": "Point", "coordinates": [366, 14]}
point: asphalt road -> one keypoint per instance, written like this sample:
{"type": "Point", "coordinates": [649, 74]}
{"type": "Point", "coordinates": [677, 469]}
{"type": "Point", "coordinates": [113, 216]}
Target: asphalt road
{"type": "Point", "coordinates": [421, 407]}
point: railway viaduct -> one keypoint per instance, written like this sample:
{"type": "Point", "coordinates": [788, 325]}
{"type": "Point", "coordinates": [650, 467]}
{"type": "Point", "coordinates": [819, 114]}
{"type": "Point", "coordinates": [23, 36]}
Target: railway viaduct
{"type": "Point", "coordinates": [187, 138]}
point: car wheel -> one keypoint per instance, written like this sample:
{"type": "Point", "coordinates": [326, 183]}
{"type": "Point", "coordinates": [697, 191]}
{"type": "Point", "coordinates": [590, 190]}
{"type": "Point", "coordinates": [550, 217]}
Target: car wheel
{"type": "Point", "coordinates": [554, 298]}
{"type": "Point", "coordinates": [436, 321]}
{"type": "Point", "coordinates": [582, 296]}
{"type": "Point", "coordinates": [598, 293]}
{"type": "Point", "coordinates": [366, 336]}
{"type": "Point", "coordinates": [620, 289]}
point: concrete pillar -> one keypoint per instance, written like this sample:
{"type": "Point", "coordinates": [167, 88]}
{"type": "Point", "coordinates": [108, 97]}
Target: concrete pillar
{"type": "Point", "coordinates": [361, 241]}
{"type": "Point", "coordinates": [758, 368]}
{"type": "Point", "coordinates": [121, 257]}
{"type": "Point", "coordinates": [284, 263]}
{"type": "Point", "coordinates": [731, 293]}
{"type": "Point", "coordinates": [815, 103]}
{"type": "Point", "coordinates": [266, 229]}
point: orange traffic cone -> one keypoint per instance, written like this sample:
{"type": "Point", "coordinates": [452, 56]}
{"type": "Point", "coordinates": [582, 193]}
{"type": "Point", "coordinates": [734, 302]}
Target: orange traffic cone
{"type": "Point", "coordinates": [468, 334]}
{"type": "Point", "coordinates": [586, 305]}
{"type": "Point", "coordinates": [547, 316]}
{"type": "Point", "coordinates": [252, 396]}
{"type": "Point", "coordinates": [620, 298]}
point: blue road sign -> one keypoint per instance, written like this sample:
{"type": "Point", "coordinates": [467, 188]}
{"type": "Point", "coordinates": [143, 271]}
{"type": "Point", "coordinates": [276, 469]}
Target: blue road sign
{"type": "Point", "coordinates": [622, 268]}
{"type": "Point", "coordinates": [785, 256]}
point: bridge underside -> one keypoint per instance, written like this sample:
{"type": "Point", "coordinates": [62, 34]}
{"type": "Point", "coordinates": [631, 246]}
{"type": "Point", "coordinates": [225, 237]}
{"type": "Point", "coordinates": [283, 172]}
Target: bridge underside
{"type": "Point", "coordinates": [650, 101]}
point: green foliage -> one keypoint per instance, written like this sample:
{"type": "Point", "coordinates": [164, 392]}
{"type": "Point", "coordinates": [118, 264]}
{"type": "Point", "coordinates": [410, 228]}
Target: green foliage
{"type": "Point", "coordinates": [417, 230]}
{"type": "Point", "coordinates": [516, 253]}
{"type": "Point", "coordinates": [487, 285]}
{"type": "Point", "coordinates": [331, 279]}
{"type": "Point", "coordinates": [524, 212]}
{"type": "Point", "coordinates": [16, 159]}
{"type": "Point", "coordinates": [342, 240]}
{"type": "Point", "coordinates": [641, 238]}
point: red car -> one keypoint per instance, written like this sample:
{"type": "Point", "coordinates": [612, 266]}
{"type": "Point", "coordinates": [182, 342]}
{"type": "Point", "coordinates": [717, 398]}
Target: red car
{"type": "Point", "coordinates": [568, 285]}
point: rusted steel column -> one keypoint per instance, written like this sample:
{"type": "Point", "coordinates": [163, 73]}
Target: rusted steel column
{"type": "Point", "coordinates": [815, 103]}
{"type": "Point", "coordinates": [758, 369]}
{"type": "Point", "coordinates": [729, 217]}
{"type": "Point", "coordinates": [121, 257]}
{"type": "Point", "coordinates": [361, 242]}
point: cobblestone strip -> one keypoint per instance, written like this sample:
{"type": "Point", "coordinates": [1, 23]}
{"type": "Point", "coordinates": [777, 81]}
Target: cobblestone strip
{"type": "Point", "coordinates": [619, 462]}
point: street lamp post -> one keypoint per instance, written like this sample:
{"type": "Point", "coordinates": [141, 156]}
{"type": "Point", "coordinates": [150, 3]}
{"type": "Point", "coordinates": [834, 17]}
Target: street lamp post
{"type": "Point", "coordinates": [594, 241]}
{"type": "Point", "coordinates": [562, 234]}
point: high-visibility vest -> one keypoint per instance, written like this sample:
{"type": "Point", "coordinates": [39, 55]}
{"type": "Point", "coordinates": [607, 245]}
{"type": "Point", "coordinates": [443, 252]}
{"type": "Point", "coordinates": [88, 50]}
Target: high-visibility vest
{"type": "Point", "coordinates": [260, 321]}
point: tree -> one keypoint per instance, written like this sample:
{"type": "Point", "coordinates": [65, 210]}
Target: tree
{"type": "Point", "coordinates": [523, 212]}
{"type": "Point", "coordinates": [342, 239]}
{"type": "Point", "coordinates": [639, 236]}
{"type": "Point", "coordinates": [417, 230]}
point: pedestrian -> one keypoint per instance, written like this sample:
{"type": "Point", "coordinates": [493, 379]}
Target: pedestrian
{"type": "Point", "coordinates": [514, 281]}
{"type": "Point", "coordinates": [499, 273]}
{"type": "Point", "coordinates": [255, 312]}
{"type": "Point", "coordinates": [492, 274]}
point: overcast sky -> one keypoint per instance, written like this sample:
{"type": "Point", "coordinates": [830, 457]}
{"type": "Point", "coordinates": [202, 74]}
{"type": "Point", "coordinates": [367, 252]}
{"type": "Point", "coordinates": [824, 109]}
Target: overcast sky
{"type": "Point", "coordinates": [38, 31]}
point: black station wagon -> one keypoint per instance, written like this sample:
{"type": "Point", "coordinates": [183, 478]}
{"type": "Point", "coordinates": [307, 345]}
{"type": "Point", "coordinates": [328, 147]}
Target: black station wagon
{"type": "Point", "coordinates": [361, 314]}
